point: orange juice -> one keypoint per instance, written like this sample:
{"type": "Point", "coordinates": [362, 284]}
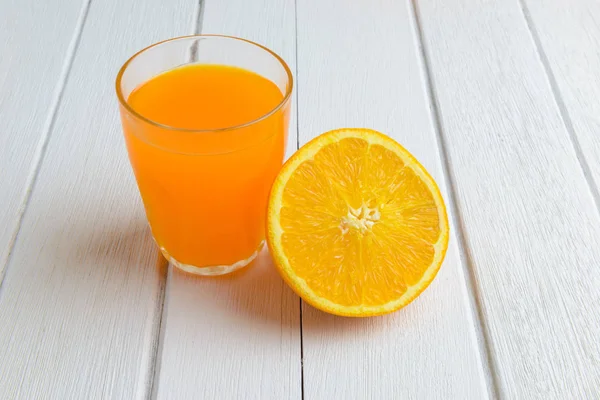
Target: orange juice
{"type": "Point", "coordinates": [208, 145]}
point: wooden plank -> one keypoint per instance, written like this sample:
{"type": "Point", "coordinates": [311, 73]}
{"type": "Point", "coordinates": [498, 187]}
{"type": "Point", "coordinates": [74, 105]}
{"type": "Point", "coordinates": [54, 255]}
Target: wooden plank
{"type": "Point", "coordinates": [532, 228]}
{"type": "Point", "coordinates": [359, 65]}
{"type": "Point", "coordinates": [79, 303]}
{"type": "Point", "coordinates": [238, 336]}
{"type": "Point", "coordinates": [32, 34]}
{"type": "Point", "coordinates": [569, 38]}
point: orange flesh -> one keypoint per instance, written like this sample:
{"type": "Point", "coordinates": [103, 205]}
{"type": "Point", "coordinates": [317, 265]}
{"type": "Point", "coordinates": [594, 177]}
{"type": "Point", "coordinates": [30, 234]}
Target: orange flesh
{"type": "Point", "coordinates": [205, 193]}
{"type": "Point", "coordinates": [359, 226]}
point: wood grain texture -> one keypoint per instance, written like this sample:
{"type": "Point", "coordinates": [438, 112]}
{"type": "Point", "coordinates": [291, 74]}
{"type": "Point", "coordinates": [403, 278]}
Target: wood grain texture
{"type": "Point", "coordinates": [569, 37]}
{"type": "Point", "coordinates": [236, 337]}
{"type": "Point", "coordinates": [533, 230]}
{"type": "Point", "coordinates": [35, 40]}
{"type": "Point", "coordinates": [79, 301]}
{"type": "Point", "coordinates": [359, 65]}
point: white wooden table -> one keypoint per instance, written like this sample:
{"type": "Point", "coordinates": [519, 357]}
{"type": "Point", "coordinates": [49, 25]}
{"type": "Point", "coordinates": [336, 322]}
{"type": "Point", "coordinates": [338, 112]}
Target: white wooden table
{"type": "Point", "coordinates": [500, 100]}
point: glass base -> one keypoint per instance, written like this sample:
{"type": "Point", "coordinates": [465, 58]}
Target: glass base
{"type": "Point", "coordinates": [212, 270]}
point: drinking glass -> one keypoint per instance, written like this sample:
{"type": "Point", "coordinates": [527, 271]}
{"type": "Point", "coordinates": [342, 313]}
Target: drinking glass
{"type": "Point", "coordinates": [205, 191]}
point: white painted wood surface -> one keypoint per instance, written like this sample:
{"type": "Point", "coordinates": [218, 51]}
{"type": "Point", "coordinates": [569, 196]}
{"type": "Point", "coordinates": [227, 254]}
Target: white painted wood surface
{"type": "Point", "coordinates": [236, 337]}
{"type": "Point", "coordinates": [352, 72]}
{"type": "Point", "coordinates": [78, 305]}
{"type": "Point", "coordinates": [36, 45]}
{"type": "Point", "coordinates": [532, 228]}
{"type": "Point", "coordinates": [569, 37]}
{"type": "Point", "coordinates": [503, 113]}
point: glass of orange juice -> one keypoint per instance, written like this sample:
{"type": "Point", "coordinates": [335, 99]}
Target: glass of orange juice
{"type": "Point", "coordinates": [205, 120]}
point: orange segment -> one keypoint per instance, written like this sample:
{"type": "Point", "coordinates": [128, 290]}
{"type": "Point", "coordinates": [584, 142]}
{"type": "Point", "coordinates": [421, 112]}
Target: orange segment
{"type": "Point", "coordinates": [356, 225]}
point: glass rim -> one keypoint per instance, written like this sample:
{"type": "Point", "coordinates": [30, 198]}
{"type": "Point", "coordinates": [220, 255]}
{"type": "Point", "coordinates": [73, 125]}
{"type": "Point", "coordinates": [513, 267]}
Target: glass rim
{"type": "Point", "coordinates": [136, 114]}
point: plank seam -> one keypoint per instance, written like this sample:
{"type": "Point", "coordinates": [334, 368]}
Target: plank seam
{"type": "Point", "coordinates": [158, 345]}
{"type": "Point", "coordinates": [474, 299]}
{"type": "Point", "coordinates": [199, 17]}
{"type": "Point", "coordinates": [297, 147]}
{"type": "Point", "coordinates": [301, 355]}
{"type": "Point", "coordinates": [38, 157]}
{"type": "Point", "coordinates": [562, 108]}
{"type": "Point", "coordinates": [155, 364]}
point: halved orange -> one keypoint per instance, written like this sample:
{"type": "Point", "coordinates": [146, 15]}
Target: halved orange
{"type": "Point", "coordinates": [356, 226]}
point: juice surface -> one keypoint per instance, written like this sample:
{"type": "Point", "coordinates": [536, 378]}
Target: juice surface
{"type": "Point", "coordinates": [205, 193]}
{"type": "Point", "coordinates": [205, 97]}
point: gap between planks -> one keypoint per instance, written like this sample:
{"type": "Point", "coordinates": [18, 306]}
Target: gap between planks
{"type": "Point", "coordinates": [155, 362]}
{"type": "Point", "coordinates": [486, 349]}
{"type": "Point", "coordinates": [198, 17]}
{"type": "Point", "coordinates": [153, 372]}
{"type": "Point", "coordinates": [40, 151]}
{"type": "Point", "coordinates": [297, 148]}
{"type": "Point", "coordinates": [563, 112]}
{"type": "Point", "coordinates": [157, 346]}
